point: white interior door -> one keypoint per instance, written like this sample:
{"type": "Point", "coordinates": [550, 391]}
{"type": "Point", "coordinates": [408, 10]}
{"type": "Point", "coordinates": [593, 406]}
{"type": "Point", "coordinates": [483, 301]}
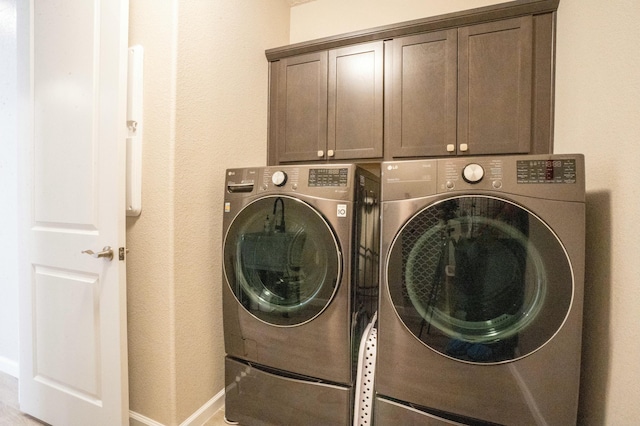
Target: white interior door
{"type": "Point", "coordinates": [72, 57]}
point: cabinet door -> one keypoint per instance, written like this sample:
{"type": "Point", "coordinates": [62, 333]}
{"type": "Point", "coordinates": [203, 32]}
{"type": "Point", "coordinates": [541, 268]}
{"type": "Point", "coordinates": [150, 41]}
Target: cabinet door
{"type": "Point", "coordinates": [301, 110]}
{"type": "Point", "coordinates": [494, 87]}
{"type": "Point", "coordinates": [355, 102]}
{"type": "Point", "coordinates": [423, 94]}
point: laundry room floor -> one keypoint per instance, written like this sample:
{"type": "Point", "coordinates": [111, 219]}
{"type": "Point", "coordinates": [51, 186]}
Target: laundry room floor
{"type": "Point", "coordinates": [10, 414]}
{"type": "Point", "coordinates": [217, 419]}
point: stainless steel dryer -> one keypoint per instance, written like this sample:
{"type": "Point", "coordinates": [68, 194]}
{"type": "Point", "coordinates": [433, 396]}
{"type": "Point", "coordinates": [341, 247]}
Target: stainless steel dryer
{"type": "Point", "coordinates": [482, 276]}
{"type": "Point", "coordinates": [300, 285]}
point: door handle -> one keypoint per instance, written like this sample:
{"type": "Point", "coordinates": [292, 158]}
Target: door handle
{"type": "Point", "coordinates": [106, 252]}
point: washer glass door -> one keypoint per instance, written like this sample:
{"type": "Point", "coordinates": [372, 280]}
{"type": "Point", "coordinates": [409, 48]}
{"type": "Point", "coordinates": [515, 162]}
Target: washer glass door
{"type": "Point", "coordinates": [479, 279]}
{"type": "Point", "coordinates": [281, 260]}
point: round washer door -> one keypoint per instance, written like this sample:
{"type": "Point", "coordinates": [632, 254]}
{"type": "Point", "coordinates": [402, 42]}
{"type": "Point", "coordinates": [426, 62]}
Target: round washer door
{"type": "Point", "coordinates": [479, 279]}
{"type": "Point", "coordinates": [281, 260]}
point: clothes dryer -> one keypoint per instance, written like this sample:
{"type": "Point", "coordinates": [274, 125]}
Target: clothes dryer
{"type": "Point", "coordinates": [482, 277]}
{"type": "Point", "coordinates": [300, 286]}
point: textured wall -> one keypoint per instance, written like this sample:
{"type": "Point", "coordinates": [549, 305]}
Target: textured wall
{"type": "Point", "coordinates": [150, 237]}
{"type": "Point", "coordinates": [597, 107]}
{"type": "Point", "coordinates": [597, 104]}
{"type": "Point", "coordinates": [205, 101]}
{"type": "Point", "coordinates": [322, 18]}
{"type": "Point", "coordinates": [221, 122]}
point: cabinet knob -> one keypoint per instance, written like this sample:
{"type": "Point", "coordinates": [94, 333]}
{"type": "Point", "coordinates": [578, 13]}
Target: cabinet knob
{"type": "Point", "coordinates": [320, 153]}
{"type": "Point", "coordinates": [451, 147]}
{"type": "Point", "coordinates": [330, 153]}
{"type": "Point", "coordinates": [464, 147]}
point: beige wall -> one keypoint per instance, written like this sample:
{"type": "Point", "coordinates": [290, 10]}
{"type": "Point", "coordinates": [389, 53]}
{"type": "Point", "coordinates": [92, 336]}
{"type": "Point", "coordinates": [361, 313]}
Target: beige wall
{"type": "Point", "coordinates": [205, 100]}
{"type": "Point", "coordinates": [322, 18]}
{"type": "Point", "coordinates": [597, 107]}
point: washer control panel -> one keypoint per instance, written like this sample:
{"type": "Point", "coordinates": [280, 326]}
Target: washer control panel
{"type": "Point", "coordinates": [328, 177]}
{"type": "Point", "coordinates": [279, 178]}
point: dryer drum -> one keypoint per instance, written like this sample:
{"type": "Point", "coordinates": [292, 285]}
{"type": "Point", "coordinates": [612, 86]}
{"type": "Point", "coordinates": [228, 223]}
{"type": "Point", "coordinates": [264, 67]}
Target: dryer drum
{"type": "Point", "coordinates": [479, 279]}
{"type": "Point", "coordinates": [488, 300]}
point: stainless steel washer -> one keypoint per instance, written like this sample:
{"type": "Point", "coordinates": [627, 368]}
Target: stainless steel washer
{"type": "Point", "coordinates": [482, 278]}
{"type": "Point", "coordinates": [300, 285]}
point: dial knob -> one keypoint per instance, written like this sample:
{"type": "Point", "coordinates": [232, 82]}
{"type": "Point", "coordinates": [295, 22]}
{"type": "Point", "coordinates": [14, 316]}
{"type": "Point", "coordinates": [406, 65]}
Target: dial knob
{"type": "Point", "coordinates": [473, 173]}
{"type": "Point", "coordinates": [279, 178]}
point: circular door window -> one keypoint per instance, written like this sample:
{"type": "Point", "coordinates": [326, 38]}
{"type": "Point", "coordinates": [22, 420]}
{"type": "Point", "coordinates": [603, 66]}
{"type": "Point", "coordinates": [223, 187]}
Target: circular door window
{"type": "Point", "coordinates": [281, 260]}
{"type": "Point", "coordinates": [479, 279]}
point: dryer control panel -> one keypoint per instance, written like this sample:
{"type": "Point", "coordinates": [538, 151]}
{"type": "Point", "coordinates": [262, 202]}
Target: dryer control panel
{"type": "Point", "coordinates": [552, 176]}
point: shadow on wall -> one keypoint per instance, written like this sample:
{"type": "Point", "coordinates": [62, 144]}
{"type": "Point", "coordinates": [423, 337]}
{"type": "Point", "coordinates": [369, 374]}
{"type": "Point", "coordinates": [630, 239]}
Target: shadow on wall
{"type": "Point", "coordinates": [597, 306]}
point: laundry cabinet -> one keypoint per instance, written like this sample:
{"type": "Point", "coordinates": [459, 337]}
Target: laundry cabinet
{"type": "Point", "coordinates": [328, 105]}
{"type": "Point", "coordinates": [473, 90]}
{"type": "Point", "coordinates": [473, 82]}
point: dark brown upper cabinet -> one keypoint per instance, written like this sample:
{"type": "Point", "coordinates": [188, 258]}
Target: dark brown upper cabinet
{"type": "Point", "coordinates": [422, 94]}
{"type": "Point", "coordinates": [328, 105]}
{"type": "Point", "coordinates": [299, 113]}
{"type": "Point", "coordinates": [465, 91]}
{"type": "Point", "coordinates": [494, 87]}
{"type": "Point", "coordinates": [474, 82]}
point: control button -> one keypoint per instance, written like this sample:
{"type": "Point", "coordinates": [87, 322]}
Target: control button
{"type": "Point", "coordinates": [473, 173]}
{"type": "Point", "coordinates": [497, 184]}
{"type": "Point", "coordinates": [279, 178]}
{"type": "Point", "coordinates": [451, 147]}
{"type": "Point", "coordinates": [450, 185]}
{"type": "Point", "coordinates": [464, 147]}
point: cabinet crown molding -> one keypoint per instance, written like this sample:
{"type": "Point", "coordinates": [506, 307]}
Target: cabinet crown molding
{"type": "Point", "coordinates": [456, 19]}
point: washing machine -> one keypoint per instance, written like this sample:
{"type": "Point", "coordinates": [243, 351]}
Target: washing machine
{"type": "Point", "coordinates": [482, 276]}
{"type": "Point", "coordinates": [300, 272]}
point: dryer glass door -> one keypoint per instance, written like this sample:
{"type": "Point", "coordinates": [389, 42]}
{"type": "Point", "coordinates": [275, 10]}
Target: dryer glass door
{"type": "Point", "coordinates": [281, 260]}
{"type": "Point", "coordinates": [479, 279]}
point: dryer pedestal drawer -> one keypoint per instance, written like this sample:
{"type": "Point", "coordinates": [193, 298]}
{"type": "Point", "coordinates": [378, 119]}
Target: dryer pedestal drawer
{"type": "Point", "coordinates": [257, 397]}
{"type": "Point", "coordinates": [389, 412]}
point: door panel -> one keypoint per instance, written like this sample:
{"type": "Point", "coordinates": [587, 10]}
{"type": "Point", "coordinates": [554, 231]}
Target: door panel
{"type": "Point", "coordinates": [302, 107]}
{"type": "Point", "coordinates": [494, 87]}
{"type": "Point", "coordinates": [73, 366]}
{"type": "Point", "coordinates": [424, 94]}
{"type": "Point", "coordinates": [356, 101]}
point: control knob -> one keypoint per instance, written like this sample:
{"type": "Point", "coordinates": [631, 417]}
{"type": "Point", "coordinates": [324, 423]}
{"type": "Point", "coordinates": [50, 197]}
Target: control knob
{"type": "Point", "coordinates": [279, 178]}
{"type": "Point", "coordinates": [473, 173]}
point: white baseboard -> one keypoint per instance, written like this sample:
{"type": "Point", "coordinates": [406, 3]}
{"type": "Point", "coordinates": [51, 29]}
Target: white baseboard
{"type": "Point", "coordinates": [198, 418]}
{"type": "Point", "coordinates": [10, 367]}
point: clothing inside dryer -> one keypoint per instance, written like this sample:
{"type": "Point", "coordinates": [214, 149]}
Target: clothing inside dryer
{"type": "Point", "coordinates": [474, 283]}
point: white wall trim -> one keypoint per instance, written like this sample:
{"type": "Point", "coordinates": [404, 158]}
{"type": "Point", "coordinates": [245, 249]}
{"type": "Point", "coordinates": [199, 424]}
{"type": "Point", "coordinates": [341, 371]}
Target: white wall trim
{"type": "Point", "coordinates": [198, 418]}
{"type": "Point", "coordinates": [9, 366]}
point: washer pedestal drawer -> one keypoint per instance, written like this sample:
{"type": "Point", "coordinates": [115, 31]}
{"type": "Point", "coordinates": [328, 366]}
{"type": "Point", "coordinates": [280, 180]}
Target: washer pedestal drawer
{"type": "Point", "coordinates": [256, 397]}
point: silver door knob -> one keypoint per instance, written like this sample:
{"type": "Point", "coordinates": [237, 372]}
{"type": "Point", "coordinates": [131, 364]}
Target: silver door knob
{"type": "Point", "coordinates": [106, 252]}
